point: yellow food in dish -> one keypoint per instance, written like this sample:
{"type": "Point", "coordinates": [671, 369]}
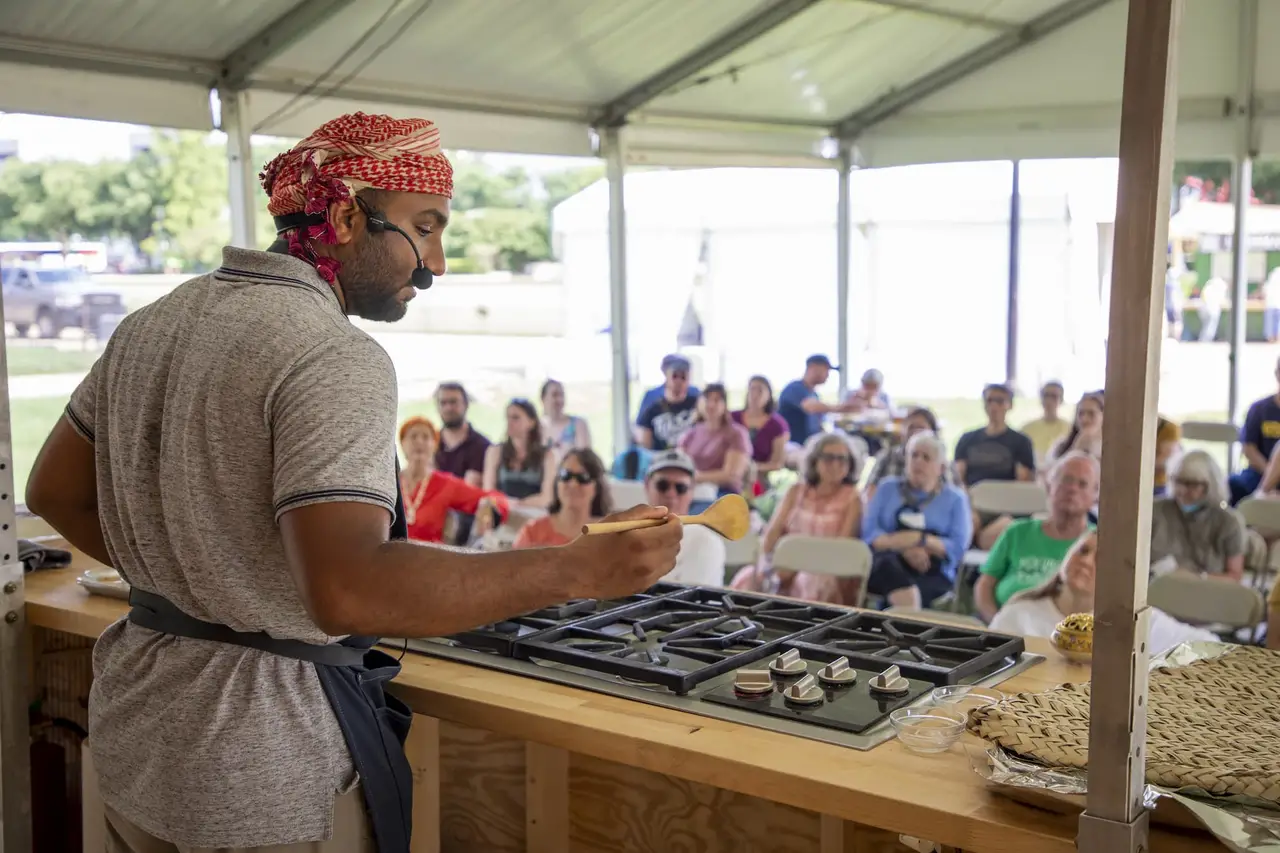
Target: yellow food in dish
{"type": "Point", "coordinates": [1077, 622]}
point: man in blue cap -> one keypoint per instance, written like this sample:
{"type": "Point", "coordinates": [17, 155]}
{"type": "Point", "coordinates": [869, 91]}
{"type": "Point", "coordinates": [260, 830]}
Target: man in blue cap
{"type": "Point", "coordinates": [668, 411]}
{"type": "Point", "coordinates": [799, 404]}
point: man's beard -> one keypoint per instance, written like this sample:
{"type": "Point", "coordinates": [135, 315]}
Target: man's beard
{"type": "Point", "coordinates": [454, 423]}
{"type": "Point", "coordinates": [366, 283]}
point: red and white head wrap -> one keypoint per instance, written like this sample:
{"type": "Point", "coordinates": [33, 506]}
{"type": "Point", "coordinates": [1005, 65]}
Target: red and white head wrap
{"type": "Point", "coordinates": [344, 156]}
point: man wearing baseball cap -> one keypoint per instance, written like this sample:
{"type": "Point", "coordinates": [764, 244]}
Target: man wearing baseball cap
{"type": "Point", "coordinates": [799, 404]}
{"type": "Point", "coordinates": [672, 414]}
{"type": "Point", "coordinates": [669, 483]}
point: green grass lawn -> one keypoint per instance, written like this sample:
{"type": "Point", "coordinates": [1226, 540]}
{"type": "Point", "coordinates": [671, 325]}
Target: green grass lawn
{"type": "Point", "coordinates": [32, 420]}
{"type": "Point", "coordinates": [37, 359]}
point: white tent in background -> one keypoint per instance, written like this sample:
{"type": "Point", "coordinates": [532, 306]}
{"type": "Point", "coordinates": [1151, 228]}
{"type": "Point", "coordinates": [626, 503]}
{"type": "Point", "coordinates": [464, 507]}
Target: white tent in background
{"type": "Point", "coordinates": [929, 258]}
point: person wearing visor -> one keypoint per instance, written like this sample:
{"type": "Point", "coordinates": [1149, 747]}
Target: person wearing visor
{"type": "Point", "coordinates": [232, 455]}
{"type": "Point", "coordinates": [670, 481]}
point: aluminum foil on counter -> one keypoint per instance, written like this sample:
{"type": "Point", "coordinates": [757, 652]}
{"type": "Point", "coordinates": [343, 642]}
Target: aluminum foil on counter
{"type": "Point", "coordinates": [1243, 824]}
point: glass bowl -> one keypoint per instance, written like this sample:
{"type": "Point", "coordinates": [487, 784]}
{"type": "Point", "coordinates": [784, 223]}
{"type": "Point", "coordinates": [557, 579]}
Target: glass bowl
{"type": "Point", "coordinates": [928, 730]}
{"type": "Point", "coordinates": [965, 697]}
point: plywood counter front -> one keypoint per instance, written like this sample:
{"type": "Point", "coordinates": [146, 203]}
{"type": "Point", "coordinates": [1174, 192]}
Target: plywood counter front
{"type": "Point", "coordinates": [505, 763]}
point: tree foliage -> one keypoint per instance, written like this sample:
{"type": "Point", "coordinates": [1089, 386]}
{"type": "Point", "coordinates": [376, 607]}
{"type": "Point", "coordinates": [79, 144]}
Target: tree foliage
{"type": "Point", "coordinates": [170, 201]}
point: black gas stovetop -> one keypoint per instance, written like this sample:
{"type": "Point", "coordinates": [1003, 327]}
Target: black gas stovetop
{"type": "Point", "coordinates": [699, 649]}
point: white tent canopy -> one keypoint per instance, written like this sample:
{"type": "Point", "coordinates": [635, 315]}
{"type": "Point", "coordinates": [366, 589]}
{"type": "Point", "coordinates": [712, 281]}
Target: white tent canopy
{"type": "Point", "coordinates": [722, 82]}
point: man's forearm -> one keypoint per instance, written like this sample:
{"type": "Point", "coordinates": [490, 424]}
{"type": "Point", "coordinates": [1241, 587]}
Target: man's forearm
{"type": "Point", "coordinates": [1254, 457]}
{"type": "Point", "coordinates": [414, 590]}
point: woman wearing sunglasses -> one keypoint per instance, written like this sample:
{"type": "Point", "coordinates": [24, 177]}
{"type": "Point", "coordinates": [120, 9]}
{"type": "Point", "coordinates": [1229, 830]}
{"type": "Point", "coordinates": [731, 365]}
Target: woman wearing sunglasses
{"type": "Point", "coordinates": [824, 503]}
{"type": "Point", "coordinates": [581, 496]}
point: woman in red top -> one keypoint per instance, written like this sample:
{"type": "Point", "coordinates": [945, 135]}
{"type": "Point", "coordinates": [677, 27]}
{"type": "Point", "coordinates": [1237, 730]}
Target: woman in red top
{"type": "Point", "coordinates": [430, 494]}
{"type": "Point", "coordinates": [581, 496]}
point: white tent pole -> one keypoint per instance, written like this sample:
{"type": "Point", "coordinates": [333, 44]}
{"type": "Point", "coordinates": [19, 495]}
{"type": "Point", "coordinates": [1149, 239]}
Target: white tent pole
{"type": "Point", "coordinates": [1015, 237]}
{"type": "Point", "coordinates": [1115, 820]}
{"type": "Point", "coordinates": [844, 227]}
{"type": "Point", "coordinates": [1241, 190]}
{"type": "Point", "coordinates": [615, 170]}
{"type": "Point", "coordinates": [237, 124]}
{"type": "Point", "coordinates": [15, 755]}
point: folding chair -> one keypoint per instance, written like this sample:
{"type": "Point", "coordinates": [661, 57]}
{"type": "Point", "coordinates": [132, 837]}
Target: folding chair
{"type": "Point", "coordinates": [839, 557]}
{"type": "Point", "coordinates": [742, 552]}
{"type": "Point", "coordinates": [1215, 432]}
{"type": "Point", "coordinates": [626, 493]}
{"type": "Point", "coordinates": [1220, 605]}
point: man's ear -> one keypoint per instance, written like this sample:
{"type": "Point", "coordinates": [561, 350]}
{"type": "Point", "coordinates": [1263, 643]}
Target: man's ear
{"type": "Point", "coordinates": [347, 220]}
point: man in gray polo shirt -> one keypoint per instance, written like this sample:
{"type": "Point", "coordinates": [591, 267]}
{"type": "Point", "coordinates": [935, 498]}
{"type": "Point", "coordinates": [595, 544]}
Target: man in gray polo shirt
{"type": "Point", "coordinates": [232, 455]}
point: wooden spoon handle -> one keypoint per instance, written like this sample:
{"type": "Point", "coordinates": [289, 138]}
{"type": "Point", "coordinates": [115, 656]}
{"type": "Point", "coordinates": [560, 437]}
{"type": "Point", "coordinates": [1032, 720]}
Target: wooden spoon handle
{"type": "Point", "coordinates": [638, 524]}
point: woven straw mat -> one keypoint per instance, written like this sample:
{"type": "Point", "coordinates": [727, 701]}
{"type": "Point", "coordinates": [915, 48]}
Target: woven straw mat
{"type": "Point", "coordinates": [1214, 724]}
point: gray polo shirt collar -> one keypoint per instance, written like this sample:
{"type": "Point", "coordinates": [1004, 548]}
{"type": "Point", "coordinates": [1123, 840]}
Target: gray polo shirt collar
{"type": "Point", "coordinates": [273, 268]}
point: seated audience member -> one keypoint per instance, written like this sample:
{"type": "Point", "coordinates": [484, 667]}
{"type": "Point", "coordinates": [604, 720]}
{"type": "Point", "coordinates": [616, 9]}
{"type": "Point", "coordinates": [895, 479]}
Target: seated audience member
{"type": "Point", "coordinates": [1195, 527]}
{"type": "Point", "coordinates": [1046, 430]}
{"type": "Point", "coordinates": [1085, 434]}
{"type": "Point", "coordinates": [720, 449]}
{"type": "Point", "coordinates": [1036, 612]}
{"type": "Point", "coordinates": [429, 494]}
{"type": "Point", "coordinates": [1168, 448]}
{"type": "Point", "coordinates": [631, 464]}
{"type": "Point", "coordinates": [1030, 550]}
{"type": "Point", "coordinates": [1259, 435]}
{"type": "Point", "coordinates": [919, 527]}
{"type": "Point", "coordinates": [669, 417]}
{"type": "Point", "coordinates": [824, 503]}
{"type": "Point", "coordinates": [766, 429]}
{"type": "Point", "coordinates": [522, 467]}
{"type": "Point", "coordinates": [581, 497]}
{"type": "Point", "coordinates": [461, 449]}
{"type": "Point", "coordinates": [655, 393]}
{"type": "Point", "coordinates": [799, 404]}
{"type": "Point", "coordinates": [669, 483]}
{"type": "Point", "coordinates": [869, 394]}
{"type": "Point", "coordinates": [562, 432]}
{"type": "Point", "coordinates": [994, 452]}
{"type": "Point", "coordinates": [892, 461]}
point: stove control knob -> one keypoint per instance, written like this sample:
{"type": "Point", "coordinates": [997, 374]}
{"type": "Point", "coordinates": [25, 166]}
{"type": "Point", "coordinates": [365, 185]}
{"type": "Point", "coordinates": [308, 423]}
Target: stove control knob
{"type": "Point", "coordinates": [890, 682]}
{"type": "Point", "coordinates": [806, 691]}
{"type": "Point", "coordinates": [837, 673]}
{"type": "Point", "coordinates": [752, 682]}
{"type": "Point", "coordinates": [788, 663]}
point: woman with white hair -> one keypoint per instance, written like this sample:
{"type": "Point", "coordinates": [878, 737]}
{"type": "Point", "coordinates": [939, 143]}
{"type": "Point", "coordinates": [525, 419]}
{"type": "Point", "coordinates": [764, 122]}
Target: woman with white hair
{"type": "Point", "coordinates": [824, 503]}
{"type": "Point", "coordinates": [918, 525]}
{"type": "Point", "coordinates": [1195, 528]}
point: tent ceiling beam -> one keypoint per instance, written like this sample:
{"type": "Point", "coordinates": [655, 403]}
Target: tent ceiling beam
{"type": "Point", "coordinates": [961, 17]}
{"type": "Point", "coordinates": [614, 113]}
{"type": "Point", "coordinates": [273, 39]}
{"type": "Point", "coordinates": [993, 51]}
{"type": "Point", "coordinates": [95, 60]}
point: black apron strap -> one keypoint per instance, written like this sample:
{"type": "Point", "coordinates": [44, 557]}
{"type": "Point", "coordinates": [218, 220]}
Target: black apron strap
{"type": "Point", "coordinates": [353, 676]}
{"type": "Point", "coordinates": [399, 524]}
{"type": "Point", "coordinates": [159, 614]}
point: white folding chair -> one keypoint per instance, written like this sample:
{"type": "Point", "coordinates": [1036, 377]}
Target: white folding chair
{"type": "Point", "coordinates": [1220, 605]}
{"type": "Point", "coordinates": [1262, 515]}
{"type": "Point", "coordinates": [1215, 432]}
{"type": "Point", "coordinates": [626, 493]}
{"type": "Point", "coordinates": [741, 552]}
{"type": "Point", "coordinates": [1009, 497]}
{"type": "Point", "coordinates": [839, 557]}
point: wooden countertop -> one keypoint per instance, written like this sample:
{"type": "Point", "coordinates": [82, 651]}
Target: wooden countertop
{"type": "Point", "coordinates": [936, 797]}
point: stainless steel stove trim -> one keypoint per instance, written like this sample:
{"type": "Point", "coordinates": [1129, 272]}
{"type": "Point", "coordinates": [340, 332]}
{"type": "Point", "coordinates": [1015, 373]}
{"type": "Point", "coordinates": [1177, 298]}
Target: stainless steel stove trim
{"type": "Point", "coordinates": [558, 674]}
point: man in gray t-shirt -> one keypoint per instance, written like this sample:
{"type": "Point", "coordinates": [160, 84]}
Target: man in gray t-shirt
{"type": "Point", "coordinates": [232, 455]}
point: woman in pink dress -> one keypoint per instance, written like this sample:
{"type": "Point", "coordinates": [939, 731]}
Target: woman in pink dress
{"type": "Point", "coordinates": [824, 503]}
{"type": "Point", "coordinates": [720, 449]}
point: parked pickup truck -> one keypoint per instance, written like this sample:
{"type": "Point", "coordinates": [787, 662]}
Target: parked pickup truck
{"type": "Point", "coordinates": [55, 299]}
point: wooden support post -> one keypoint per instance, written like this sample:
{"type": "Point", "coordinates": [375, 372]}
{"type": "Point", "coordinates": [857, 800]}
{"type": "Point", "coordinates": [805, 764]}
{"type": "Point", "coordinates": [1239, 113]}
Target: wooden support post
{"type": "Point", "coordinates": [1115, 820]}
{"type": "Point", "coordinates": [423, 751]}
{"type": "Point", "coordinates": [546, 798]}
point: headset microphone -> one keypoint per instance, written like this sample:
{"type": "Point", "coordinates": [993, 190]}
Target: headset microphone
{"type": "Point", "coordinates": [378, 224]}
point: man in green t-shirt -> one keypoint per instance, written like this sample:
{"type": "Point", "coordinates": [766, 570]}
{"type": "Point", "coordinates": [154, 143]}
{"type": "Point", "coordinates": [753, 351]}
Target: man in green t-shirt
{"type": "Point", "coordinates": [1030, 550]}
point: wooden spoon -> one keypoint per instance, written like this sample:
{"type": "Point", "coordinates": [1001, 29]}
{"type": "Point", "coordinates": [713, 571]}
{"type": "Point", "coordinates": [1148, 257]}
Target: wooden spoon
{"type": "Point", "coordinates": [729, 516]}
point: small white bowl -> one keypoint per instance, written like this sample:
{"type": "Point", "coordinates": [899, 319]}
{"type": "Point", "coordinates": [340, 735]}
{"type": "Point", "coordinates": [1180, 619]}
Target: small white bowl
{"type": "Point", "coordinates": [928, 730]}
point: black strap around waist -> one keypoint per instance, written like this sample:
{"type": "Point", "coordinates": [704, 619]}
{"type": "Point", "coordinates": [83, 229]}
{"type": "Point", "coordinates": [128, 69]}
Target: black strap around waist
{"type": "Point", "coordinates": [157, 613]}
